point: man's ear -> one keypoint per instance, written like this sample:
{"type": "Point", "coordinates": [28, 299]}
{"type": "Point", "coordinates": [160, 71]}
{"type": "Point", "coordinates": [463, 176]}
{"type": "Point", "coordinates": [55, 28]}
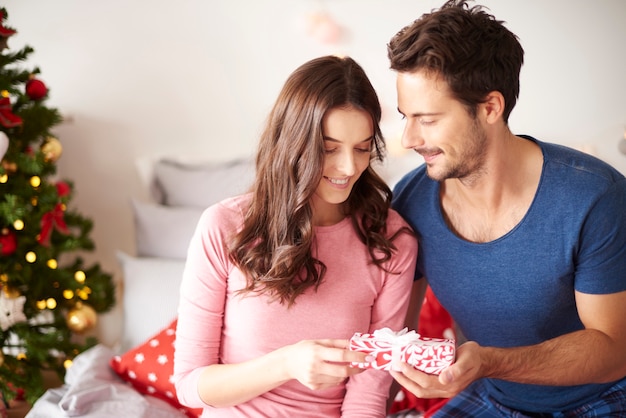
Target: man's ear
{"type": "Point", "coordinates": [493, 107]}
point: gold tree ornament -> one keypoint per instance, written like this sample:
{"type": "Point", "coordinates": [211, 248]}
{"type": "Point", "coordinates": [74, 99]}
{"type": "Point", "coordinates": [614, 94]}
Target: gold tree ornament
{"type": "Point", "coordinates": [9, 166]}
{"type": "Point", "coordinates": [52, 149]}
{"type": "Point", "coordinates": [10, 292]}
{"type": "Point", "coordinates": [81, 318]}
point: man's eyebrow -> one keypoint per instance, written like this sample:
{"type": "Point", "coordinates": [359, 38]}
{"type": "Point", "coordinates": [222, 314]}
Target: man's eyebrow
{"type": "Point", "coordinates": [419, 114]}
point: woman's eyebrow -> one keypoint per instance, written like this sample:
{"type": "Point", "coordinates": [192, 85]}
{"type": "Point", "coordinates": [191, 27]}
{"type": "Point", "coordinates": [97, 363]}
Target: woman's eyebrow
{"type": "Point", "coordinates": [328, 138]}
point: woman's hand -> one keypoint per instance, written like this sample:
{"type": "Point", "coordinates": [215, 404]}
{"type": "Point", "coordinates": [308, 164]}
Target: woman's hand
{"type": "Point", "coordinates": [317, 364]}
{"type": "Point", "coordinates": [321, 364]}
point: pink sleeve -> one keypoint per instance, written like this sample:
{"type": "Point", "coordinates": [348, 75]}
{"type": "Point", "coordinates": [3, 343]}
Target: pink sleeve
{"type": "Point", "coordinates": [201, 305]}
{"type": "Point", "coordinates": [367, 392]}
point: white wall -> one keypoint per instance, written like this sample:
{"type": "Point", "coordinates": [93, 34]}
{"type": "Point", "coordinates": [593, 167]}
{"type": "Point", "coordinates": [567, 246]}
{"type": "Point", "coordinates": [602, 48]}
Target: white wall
{"type": "Point", "coordinates": [151, 77]}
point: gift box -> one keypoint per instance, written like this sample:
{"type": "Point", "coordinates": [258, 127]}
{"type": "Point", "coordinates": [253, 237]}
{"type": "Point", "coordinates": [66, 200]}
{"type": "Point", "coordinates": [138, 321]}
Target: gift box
{"type": "Point", "coordinates": [389, 349]}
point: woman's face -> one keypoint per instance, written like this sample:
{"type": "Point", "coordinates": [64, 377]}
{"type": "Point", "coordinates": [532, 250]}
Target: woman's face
{"type": "Point", "coordinates": [348, 136]}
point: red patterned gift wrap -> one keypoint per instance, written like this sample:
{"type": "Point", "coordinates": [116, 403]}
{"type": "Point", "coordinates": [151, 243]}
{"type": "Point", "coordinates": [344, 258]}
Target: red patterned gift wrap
{"type": "Point", "coordinates": [389, 348]}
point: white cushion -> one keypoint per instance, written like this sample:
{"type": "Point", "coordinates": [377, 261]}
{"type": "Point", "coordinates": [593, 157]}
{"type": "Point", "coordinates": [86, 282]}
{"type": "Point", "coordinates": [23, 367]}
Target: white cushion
{"type": "Point", "coordinates": [150, 296]}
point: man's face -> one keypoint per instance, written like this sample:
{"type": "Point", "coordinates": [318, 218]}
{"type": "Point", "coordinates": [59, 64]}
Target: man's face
{"type": "Point", "coordinates": [439, 127]}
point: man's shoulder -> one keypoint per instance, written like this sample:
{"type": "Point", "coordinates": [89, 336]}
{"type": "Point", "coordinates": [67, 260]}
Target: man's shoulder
{"type": "Point", "coordinates": [411, 180]}
{"type": "Point", "coordinates": [413, 191]}
{"type": "Point", "coordinates": [578, 162]}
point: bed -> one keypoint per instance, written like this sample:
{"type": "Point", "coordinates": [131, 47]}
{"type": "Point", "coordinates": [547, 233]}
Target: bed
{"type": "Point", "coordinates": [132, 379]}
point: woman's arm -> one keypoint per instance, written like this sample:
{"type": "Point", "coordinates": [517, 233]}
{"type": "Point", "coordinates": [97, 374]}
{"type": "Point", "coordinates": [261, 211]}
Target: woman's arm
{"type": "Point", "coordinates": [418, 291]}
{"type": "Point", "coordinates": [317, 364]}
{"type": "Point", "coordinates": [367, 393]}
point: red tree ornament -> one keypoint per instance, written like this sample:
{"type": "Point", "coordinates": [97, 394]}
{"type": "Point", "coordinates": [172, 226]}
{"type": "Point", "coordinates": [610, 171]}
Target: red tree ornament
{"type": "Point", "coordinates": [63, 189]}
{"type": "Point", "coordinates": [36, 89]}
{"type": "Point", "coordinates": [8, 242]}
{"type": "Point", "coordinates": [7, 118]}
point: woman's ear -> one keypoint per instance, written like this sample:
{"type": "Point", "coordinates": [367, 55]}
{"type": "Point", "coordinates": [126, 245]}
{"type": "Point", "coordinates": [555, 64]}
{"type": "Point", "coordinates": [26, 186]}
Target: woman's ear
{"type": "Point", "coordinates": [493, 107]}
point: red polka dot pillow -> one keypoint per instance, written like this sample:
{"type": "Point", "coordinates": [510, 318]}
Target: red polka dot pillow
{"type": "Point", "coordinates": [149, 368]}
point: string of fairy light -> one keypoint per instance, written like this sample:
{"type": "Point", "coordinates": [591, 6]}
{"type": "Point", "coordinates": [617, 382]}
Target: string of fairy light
{"type": "Point", "coordinates": [81, 317]}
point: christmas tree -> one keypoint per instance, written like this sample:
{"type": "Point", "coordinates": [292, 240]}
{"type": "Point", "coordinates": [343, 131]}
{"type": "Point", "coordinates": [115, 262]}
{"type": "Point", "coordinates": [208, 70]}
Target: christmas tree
{"type": "Point", "coordinates": [49, 298]}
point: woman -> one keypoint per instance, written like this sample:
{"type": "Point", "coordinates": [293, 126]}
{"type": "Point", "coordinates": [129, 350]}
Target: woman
{"type": "Point", "coordinates": [277, 279]}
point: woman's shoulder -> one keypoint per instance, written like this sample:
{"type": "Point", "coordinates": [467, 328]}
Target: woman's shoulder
{"type": "Point", "coordinates": [395, 220]}
{"type": "Point", "coordinates": [226, 213]}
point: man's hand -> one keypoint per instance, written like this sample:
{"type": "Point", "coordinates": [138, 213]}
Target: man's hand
{"type": "Point", "coordinates": [466, 369]}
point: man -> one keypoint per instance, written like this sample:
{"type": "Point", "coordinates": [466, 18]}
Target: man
{"type": "Point", "coordinates": [522, 241]}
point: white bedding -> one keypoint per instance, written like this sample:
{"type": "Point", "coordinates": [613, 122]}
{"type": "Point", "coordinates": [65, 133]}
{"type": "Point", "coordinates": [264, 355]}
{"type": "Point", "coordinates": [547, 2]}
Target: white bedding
{"type": "Point", "coordinates": [93, 390]}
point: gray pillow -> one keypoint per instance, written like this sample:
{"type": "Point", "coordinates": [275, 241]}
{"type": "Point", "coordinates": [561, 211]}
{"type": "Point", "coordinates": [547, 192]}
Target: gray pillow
{"type": "Point", "coordinates": [163, 231]}
{"type": "Point", "coordinates": [201, 185]}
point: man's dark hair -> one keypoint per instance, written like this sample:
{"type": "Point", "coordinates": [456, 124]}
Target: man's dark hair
{"type": "Point", "coordinates": [473, 52]}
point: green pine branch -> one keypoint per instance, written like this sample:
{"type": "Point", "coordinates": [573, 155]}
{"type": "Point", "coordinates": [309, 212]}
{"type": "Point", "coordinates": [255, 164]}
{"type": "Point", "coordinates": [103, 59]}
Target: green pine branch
{"type": "Point", "coordinates": [41, 268]}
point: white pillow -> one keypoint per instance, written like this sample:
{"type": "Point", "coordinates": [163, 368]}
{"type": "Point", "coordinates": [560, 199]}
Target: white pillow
{"type": "Point", "coordinates": [163, 231]}
{"type": "Point", "coordinates": [150, 296]}
{"type": "Point", "coordinates": [201, 185]}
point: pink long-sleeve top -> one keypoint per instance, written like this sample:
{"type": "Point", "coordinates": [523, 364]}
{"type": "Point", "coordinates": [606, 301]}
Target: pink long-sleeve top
{"type": "Point", "coordinates": [216, 325]}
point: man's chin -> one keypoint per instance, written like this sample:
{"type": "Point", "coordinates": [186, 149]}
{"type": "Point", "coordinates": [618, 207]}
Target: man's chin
{"type": "Point", "coordinates": [434, 174]}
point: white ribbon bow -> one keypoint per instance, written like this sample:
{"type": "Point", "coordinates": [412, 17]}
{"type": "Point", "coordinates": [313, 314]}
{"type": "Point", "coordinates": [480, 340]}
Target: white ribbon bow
{"type": "Point", "coordinates": [398, 341]}
{"type": "Point", "coordinates": [402, 337]}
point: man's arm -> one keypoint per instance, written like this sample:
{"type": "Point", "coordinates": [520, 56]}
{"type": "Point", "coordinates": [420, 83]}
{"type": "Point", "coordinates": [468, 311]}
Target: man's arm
{"type": "Point", "coordinates": [596, 354]}
{"type": "Point", "coordinates": [593, 355]}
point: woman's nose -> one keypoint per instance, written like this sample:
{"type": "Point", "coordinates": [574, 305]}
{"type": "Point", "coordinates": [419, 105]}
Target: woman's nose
{"type": "Point", "coordinates": [346, 164]}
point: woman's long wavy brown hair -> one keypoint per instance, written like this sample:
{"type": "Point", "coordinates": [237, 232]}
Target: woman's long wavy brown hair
{"type": "Point", "coordinates": [274, 247]}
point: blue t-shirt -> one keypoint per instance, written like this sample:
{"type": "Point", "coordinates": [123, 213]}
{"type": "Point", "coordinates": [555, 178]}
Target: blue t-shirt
{"type": "Point", "coordinates": [519, 289]}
